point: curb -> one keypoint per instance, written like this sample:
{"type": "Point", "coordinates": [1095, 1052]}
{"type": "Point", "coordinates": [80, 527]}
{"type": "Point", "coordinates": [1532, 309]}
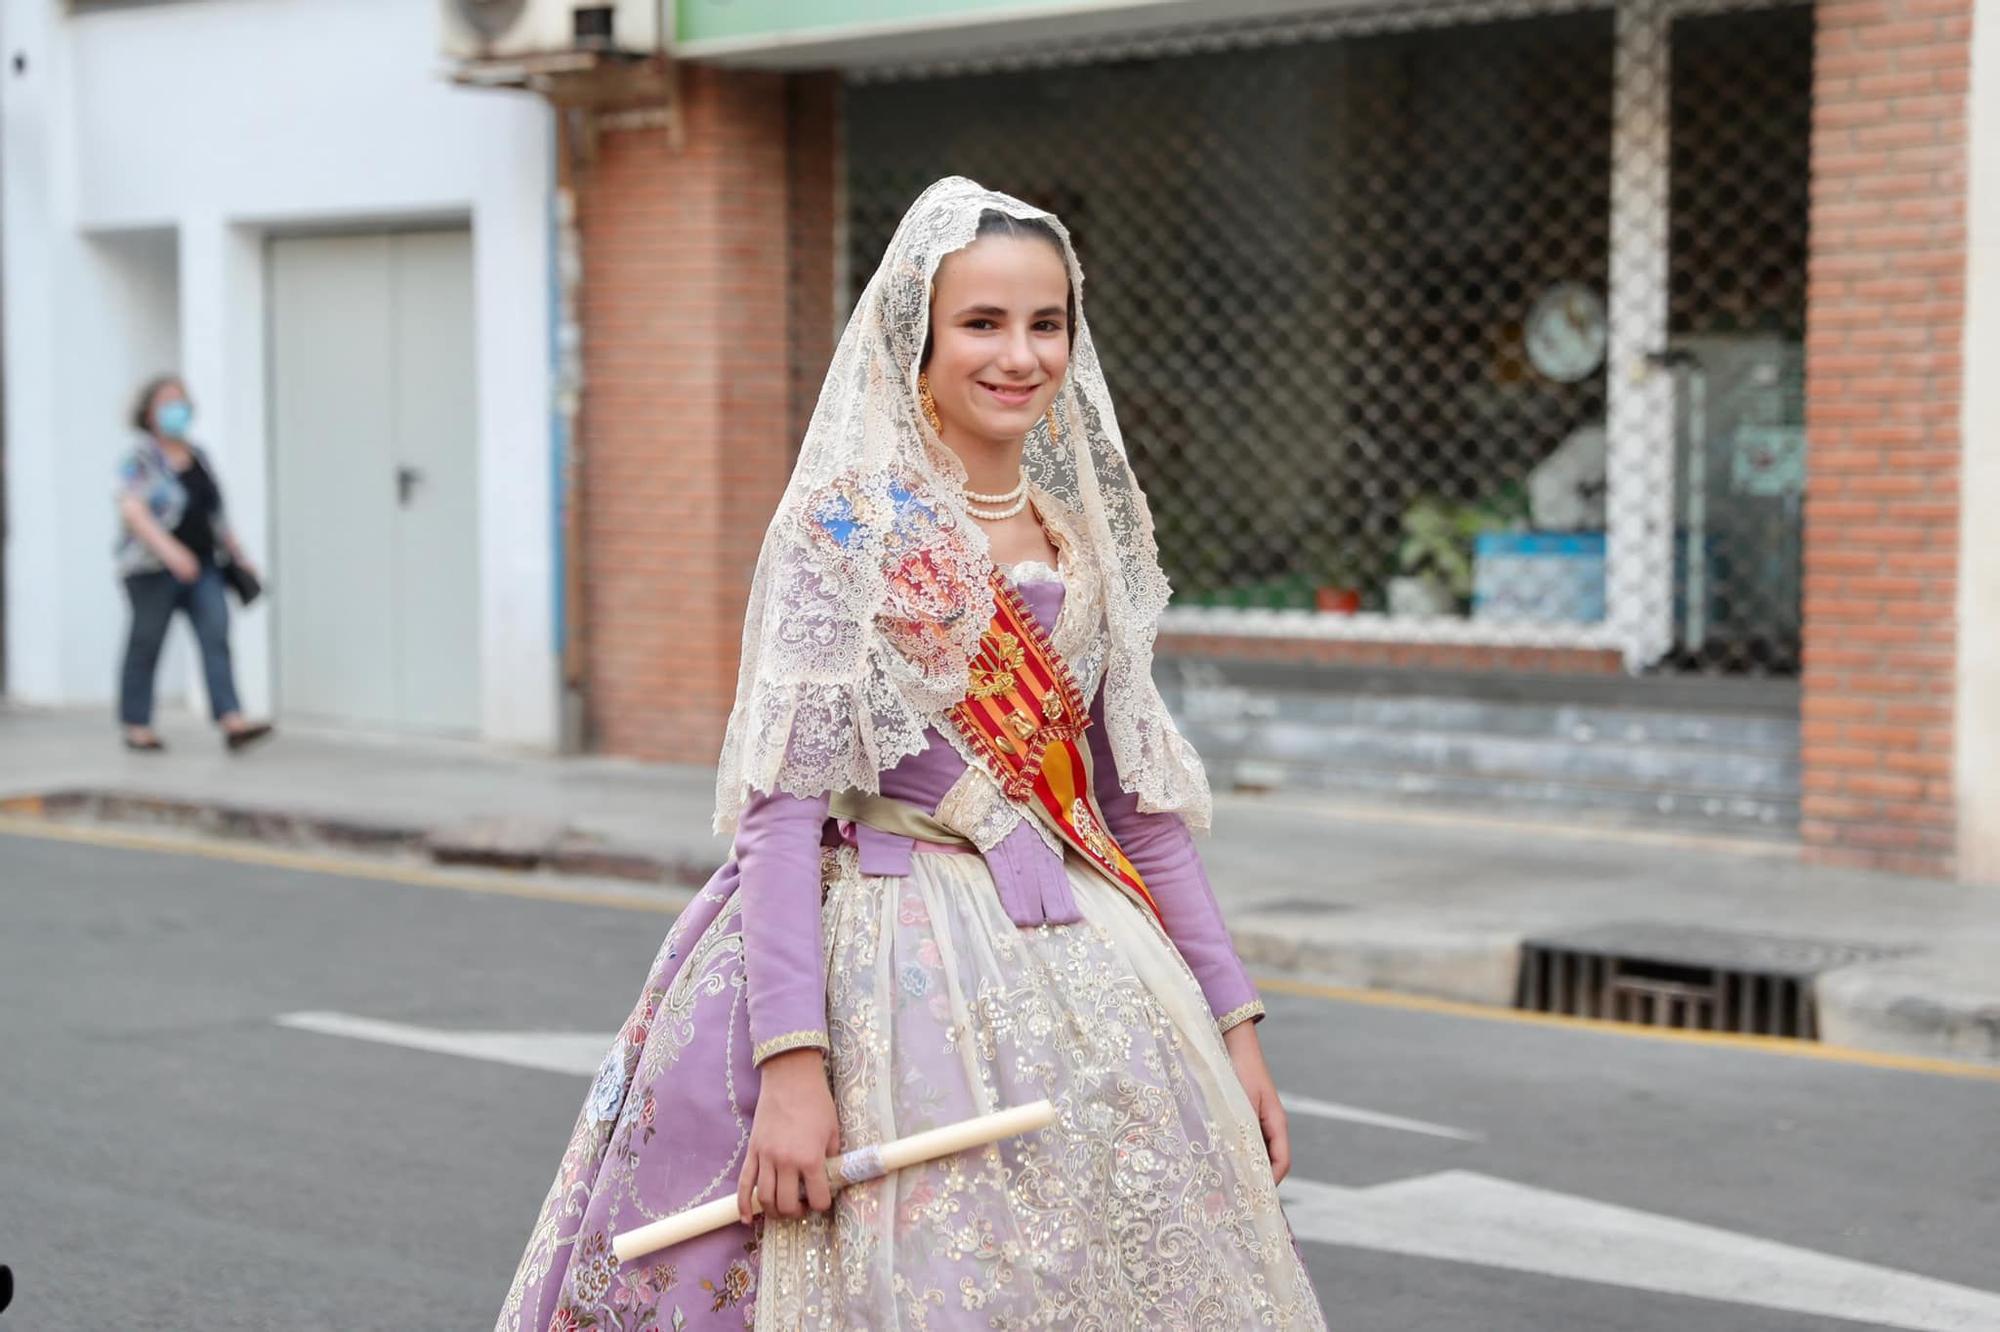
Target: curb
{"type": "Point", "coordinates": [217, 819]}
{"type": "Point", "coordinates": [1910, 1005]}
{"type": "Point", "coordinates": [1468, 967]}
{"type": "Point", "coordinates": [504, 844]}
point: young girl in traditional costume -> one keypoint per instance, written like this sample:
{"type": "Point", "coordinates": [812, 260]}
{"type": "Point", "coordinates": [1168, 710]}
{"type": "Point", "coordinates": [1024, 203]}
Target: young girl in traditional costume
{"type": "Point", "coordinates": [963, 880]}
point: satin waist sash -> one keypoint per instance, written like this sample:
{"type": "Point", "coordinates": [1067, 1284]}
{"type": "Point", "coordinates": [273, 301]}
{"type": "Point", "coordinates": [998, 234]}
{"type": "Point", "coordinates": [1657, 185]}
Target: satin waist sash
{"type": "Point", "coordinates": [899, 818]}
{"type": "Point", "coordinates": [1029, 877]}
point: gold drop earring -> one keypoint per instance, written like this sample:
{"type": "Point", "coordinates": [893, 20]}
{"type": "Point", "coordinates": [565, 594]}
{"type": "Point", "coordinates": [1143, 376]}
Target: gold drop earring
{"type": "Point", "coordinates": [929, 404]}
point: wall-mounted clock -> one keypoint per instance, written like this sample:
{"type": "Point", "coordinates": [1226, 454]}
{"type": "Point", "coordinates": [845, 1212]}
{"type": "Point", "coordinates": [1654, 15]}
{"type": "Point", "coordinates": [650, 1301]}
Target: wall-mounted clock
{"type": "Point", "coordinates": [1567, 332]}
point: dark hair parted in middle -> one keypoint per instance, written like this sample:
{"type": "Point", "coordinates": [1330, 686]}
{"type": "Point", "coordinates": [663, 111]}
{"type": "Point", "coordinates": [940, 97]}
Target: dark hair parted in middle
{"type": "Point", "coordinates": [993, 222]}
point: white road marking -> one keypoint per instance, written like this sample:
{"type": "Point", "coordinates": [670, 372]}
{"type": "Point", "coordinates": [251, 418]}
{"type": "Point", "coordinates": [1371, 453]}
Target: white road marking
{"type": "Point", "coordinates": [1454, 1216]}
{"type": "Point", "coordinates": [577, 1052]}
{"type": "Point", "coordinates": [1461, 1216]}
{"type": "Point", "coordinates": [581, 1052]}
{"type": "Point", "coordinates": [1353, 1114]}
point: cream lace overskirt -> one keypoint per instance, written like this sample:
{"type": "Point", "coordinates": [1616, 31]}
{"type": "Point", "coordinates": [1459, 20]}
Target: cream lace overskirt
{"type": "Point", "coordinates": [1148, 1205]}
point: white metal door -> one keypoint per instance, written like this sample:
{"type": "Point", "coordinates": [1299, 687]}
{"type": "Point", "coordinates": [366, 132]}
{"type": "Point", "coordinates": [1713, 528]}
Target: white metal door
{"type": "Point", "coordinates": [375, 475]}
{"type": "Point", "coordinates": [437, 554]}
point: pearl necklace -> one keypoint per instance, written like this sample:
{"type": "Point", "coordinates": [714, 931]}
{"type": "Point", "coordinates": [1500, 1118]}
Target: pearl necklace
{"type": "Point", "coordinates": [1013, 501]}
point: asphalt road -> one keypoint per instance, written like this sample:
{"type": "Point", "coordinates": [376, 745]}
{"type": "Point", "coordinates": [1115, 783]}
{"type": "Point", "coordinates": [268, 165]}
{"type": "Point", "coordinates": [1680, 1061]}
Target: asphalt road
{"type": "Point", "coordinates": [173, 1157]}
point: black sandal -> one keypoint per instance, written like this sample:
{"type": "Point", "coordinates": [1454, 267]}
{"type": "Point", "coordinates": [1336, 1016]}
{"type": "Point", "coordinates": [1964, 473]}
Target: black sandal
{"type": "Point", "coordinates": [249, 735]}
{"type": "Point", "coordinates": [152, 746]}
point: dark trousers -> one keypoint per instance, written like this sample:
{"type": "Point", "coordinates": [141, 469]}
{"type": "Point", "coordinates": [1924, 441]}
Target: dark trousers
{"type": "Point", "coordinates": [155, 597]}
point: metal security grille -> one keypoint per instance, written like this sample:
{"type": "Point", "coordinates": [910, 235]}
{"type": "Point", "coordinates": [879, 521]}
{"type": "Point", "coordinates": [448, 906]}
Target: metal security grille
{"type": "Point", "coordinates": [1742, 134]}
{"type": "Point", "coordinates": [1469, 324]}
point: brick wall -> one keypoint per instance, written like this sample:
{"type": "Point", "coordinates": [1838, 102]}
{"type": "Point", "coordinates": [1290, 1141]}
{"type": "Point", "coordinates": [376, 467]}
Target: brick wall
{"type": "Point", "coordinates": [687, 431]}
{"type": "Point", "coordinates": [1885, 317]}
{"type": "Point", "coordinates": [813, 200]}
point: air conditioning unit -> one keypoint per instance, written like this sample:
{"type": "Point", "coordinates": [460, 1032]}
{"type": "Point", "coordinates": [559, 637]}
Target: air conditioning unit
{"type": "Point", "coordinates": [476, 30]}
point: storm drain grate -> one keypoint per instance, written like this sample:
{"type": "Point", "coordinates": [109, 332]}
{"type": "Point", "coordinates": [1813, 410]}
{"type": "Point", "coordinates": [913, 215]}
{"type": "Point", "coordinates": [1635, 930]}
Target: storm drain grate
{"type": "Point", "coordinates": [1690, 977]}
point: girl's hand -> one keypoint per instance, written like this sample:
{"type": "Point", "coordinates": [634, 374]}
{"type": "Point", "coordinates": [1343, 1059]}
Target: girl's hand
{"type": "Point", "coordinates": [794, 1131]}
{"type": "Point", "coordinates": [1247, 1054]}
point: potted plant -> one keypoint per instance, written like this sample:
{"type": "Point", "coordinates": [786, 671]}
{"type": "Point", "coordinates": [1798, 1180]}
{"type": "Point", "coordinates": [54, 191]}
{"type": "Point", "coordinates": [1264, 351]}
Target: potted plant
{"type": "Point", "coordinates": [1435, 556]}
{"type": "Point", "coordinates": [1337, 583]}
{"type": "Point", "coordinates": [1337, 599]}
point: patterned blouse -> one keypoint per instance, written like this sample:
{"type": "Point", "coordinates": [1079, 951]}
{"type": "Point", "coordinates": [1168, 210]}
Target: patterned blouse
{"type": "Point", "coordinates": [143, 472]}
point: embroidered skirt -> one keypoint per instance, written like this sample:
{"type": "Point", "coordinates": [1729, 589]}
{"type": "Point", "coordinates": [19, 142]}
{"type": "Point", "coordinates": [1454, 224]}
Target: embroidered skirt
{"type": "Point", "coordinates": [1147, 1205]}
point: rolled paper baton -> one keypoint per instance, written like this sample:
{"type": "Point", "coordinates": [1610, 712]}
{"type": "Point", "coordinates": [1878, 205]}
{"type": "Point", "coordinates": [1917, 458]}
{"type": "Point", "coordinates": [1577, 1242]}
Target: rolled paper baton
{"type": "Point", "coordinates": [855, 1167]}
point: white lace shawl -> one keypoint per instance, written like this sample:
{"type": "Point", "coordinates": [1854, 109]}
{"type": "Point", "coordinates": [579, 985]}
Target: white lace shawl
{"type": "Point", "coordinates": [871, 590]}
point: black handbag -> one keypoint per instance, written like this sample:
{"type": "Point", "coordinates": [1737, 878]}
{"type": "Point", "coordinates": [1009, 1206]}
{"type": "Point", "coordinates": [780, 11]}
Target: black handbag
{"type": "Point", "coordinates": [241, 581]}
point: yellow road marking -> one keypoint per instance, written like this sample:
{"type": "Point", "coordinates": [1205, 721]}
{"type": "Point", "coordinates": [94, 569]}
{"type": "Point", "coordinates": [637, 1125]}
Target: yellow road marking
{"type": "Point", "coordinates": [1839, 1054]}
{"type": "Point", "coordinates": [659, 899]}
{"type": "Point", "coordinates": [664, 900]}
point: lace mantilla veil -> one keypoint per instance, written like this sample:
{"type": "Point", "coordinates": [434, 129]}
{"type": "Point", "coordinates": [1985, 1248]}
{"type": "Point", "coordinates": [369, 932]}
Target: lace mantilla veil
{"type": "Point", "coordinates": [872, 587]}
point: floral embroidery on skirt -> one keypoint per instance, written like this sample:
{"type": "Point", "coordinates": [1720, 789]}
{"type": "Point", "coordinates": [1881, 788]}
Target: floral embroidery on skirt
{"type": "Point", "coordinates": [1148, 1205]}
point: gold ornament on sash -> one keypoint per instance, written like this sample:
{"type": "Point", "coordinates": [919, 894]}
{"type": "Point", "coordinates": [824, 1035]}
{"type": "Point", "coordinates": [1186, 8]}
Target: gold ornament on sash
{"type": "Point", "coordinates": [1029, 735]}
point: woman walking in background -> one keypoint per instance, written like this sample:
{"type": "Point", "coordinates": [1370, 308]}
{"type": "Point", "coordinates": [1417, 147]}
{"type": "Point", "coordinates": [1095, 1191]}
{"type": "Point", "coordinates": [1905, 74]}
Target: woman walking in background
{"type": "Point", "coordinates": [173, 538]}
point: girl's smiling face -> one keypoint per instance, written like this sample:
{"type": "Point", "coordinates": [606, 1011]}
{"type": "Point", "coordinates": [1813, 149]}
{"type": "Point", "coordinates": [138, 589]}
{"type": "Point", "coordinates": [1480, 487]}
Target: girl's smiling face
{"type": "Point", "coordinates": [999, 338]}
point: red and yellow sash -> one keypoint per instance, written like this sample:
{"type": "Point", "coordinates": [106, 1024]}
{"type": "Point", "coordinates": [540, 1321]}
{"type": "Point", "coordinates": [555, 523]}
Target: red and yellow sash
{"type": "Point", "coordinates": [1025, 717]}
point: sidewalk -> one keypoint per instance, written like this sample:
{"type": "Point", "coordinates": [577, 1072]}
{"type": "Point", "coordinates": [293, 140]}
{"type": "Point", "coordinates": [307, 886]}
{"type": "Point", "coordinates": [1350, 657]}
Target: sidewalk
{"type": "Point", "coordinates": [1398, 898]}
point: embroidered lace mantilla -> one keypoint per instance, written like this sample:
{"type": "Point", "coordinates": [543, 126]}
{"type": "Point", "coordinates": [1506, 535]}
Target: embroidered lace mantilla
{"type": "Point", "coordinates": [871, 589]}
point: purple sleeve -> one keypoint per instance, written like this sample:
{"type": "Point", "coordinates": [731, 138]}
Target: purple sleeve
{"type": "Point", "coordinates": [1162, 849]}
{"type": "Point", "coordinates": [784, 953]}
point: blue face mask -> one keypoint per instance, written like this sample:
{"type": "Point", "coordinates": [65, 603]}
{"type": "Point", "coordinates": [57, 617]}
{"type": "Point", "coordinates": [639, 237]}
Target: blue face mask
{"type": "Point", "coordinates": [172, 419]}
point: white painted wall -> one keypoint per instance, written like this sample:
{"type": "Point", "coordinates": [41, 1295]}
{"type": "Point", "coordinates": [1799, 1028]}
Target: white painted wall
{"type": "Point", "coordinates": [1977, 728]}
{"type": "Point", "coordinates": [123, 299]}
{"type": "Point", "coordinates": [204, 126]}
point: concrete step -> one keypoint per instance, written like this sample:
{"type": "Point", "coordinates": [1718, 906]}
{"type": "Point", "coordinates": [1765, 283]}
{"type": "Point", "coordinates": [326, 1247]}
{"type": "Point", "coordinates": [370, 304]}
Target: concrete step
{"type": "Point", "coordinates": [1569, 723]}
{"type": "Point", "coordinates": [1727, 770]}
{"type": "Point", "coordinates": [1711, 813]}
{"type": "Point", "coordinates": [1691, 767]}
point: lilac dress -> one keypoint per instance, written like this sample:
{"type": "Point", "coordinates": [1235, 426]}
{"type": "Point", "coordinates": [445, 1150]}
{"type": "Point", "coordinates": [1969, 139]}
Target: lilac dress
{"type": "Point", "coordinates": [941, 986]}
